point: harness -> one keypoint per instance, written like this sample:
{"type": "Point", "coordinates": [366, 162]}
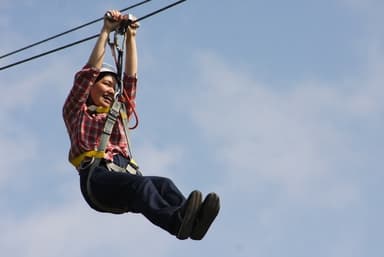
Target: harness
{"type": "Point", "coordinates": [118, 109]}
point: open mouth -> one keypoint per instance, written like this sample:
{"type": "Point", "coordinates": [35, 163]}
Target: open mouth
{"type": "Point", "coordinates": [108, 98]}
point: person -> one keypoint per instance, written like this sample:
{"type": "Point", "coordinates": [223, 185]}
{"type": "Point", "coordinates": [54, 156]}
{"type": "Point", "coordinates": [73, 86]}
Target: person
{"type": "Point", "coordinates": [109, 185]}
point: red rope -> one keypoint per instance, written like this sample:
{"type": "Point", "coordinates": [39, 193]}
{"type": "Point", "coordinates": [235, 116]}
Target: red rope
{"type": "Point", "coordinates": [130, 108]}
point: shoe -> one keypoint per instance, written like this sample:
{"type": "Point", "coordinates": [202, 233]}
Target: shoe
{"type": "Point", "coordinates": [206, 215]}
{"type": "Point", "coordinates": [188, 214]}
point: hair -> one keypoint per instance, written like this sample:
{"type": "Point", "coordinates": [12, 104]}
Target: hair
{"type": "Point", "coordinates": [105, 73]}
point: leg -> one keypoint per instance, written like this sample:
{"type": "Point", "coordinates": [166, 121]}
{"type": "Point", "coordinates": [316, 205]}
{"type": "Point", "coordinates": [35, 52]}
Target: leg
{"type": "Point", "coordinates": [168, 190]}
{"type": "Point", "coordinates": [157, 198]}
{"type": "Point", "coordinates": [139, 194]}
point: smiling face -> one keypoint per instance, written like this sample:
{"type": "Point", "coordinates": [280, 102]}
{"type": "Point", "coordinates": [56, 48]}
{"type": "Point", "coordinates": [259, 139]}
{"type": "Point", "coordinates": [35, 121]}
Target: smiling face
{"type": "Point", "coordinates": [102, 92]}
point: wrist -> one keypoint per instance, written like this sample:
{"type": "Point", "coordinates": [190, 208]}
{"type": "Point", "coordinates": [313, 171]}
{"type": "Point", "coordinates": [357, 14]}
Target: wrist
{"type": "Point", "coordinates": [130, 38]}
{"type": "Point", "coordinates": [105, 31]}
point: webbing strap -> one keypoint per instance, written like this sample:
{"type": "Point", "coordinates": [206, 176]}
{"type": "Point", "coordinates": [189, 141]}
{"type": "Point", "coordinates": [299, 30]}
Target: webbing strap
{"type": "Point", "coordinates": [91, 196]}
{"type": "Point", "coordinates": [98, 109]}
{"type": "Point", "coordinates": [113, 115]}
{"type": "Point", "coordinates": [104, 138]}
{"type": "Point", "coordinates": [129, 168]}
{"type": "Point", "coordinates": [90, 154]}
{"type": "Point", "coordinates": [116, 109]}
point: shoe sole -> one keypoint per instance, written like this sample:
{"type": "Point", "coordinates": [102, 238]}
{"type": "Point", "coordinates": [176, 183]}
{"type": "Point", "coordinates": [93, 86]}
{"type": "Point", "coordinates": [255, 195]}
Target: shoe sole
{"type": "Point", "coordinates": [207, 215]}
{"type": "Point", "coordinates": [193, 201]}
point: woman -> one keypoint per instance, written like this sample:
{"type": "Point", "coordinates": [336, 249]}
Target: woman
{"type": "Point", "coordinates": [110, 185]}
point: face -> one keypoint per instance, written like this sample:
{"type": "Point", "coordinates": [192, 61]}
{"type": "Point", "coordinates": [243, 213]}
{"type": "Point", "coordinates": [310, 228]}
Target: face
{"type": "Point", "coordinates": [102, 92]}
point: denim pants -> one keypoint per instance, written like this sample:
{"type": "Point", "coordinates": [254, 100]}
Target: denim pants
{"type": "Point", "coordinates": [157, 198]}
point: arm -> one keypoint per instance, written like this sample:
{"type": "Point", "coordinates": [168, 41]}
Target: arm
{"type": "Point", "coordinates": [130, 76]}
{"type": "Point", "coordinates": [78, 95]}
{"type": "Point", "coordinates": [110, 23]}
{"type": "Point", "coordinates": [85, 78]}
{"type": "Point", "coordinates": [131, 50]}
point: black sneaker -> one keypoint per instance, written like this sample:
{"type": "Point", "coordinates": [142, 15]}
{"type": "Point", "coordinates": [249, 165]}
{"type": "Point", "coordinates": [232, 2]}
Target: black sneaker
{"type": "Point", "coordinates": [206, 215]}
{"type": "Point", "coordinates": [188, 214]}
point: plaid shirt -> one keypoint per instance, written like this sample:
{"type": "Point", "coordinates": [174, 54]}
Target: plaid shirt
{"type": "Point", "coordinates": [84, 126]}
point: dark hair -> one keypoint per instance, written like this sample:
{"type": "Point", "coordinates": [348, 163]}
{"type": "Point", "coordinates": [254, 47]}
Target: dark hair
{"type": "Point", "coordinates": [105, 73]}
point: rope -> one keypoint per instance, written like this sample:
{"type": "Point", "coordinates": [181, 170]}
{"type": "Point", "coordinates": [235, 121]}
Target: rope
{"type": "Point", "coordinates": [86, 39]}
{"type": "Point", "coordinates": [48, 52]}
{"type": "Point", "coordinates": [68, 31]}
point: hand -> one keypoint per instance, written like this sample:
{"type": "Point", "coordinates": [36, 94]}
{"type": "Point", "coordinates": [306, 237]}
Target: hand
{"type": "Point", "coordinates": [112, 20]}
{"type": "Point", "coordinates": [132, 28]}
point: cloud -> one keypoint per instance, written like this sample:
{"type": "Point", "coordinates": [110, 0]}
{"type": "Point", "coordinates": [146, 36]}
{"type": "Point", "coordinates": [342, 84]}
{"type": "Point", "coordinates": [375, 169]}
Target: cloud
{"type": "Point", "coordinates": [158, 161]}
{"type": "Point", "coordinates": [72, 229]}
{"type": "Point", "coordinates": [293, 135]}
{"type": "Point", "coordinates": [68, 227]}
{"type": "Point", "coordinates": [290, 160]}
{"type": "Point", "coordinates": [20, 143]}
{"type": "Point", "coordinates": [15, 152]}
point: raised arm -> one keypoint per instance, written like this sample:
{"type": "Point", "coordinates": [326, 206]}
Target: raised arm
{"type": "Point", "coordinates": [111, 22]}
{"type": "Point", "coordinates": [130, 50]}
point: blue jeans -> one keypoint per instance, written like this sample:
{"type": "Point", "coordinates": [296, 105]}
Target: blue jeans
{"type": "Point", "coordinates": [157, 198]}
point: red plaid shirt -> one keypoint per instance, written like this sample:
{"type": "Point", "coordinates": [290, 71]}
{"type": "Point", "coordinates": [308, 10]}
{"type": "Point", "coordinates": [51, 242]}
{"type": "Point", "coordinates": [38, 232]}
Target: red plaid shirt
{"type": "Point", "coordinates": [84, 126]}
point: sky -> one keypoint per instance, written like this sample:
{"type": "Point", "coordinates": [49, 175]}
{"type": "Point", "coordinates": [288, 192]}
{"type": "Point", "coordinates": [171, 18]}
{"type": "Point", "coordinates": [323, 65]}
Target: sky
{"type": "Point", "coordinates": [275, 105]}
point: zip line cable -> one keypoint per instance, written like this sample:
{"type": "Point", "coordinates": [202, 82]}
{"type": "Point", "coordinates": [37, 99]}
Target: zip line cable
{"type": "Point", "coordinates": [88, 38]}
{"type": "Point", "coordinates": [68, 31]}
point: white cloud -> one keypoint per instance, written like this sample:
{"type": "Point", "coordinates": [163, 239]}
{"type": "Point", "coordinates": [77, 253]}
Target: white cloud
{"type": "Point", "coordinates": [15, 154]}
{"type": "Point", "coordinates": [293, 143]}
{"type": "Point", "coordinates": [156, 161]}
{"type": "Point", "coordinates": [19, 143]}
{"type": "Point", "coordinates": [22, 91]}
{"type": "Point", "coordinates": [75, 230]}
{"type": "Point", "coordinates": [71, 228]}
{"type": "Point", "coordinates": [294, 137]}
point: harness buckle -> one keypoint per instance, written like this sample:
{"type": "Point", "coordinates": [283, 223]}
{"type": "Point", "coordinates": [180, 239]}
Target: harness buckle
{"type": "Point", "coordinates": [130, 168]}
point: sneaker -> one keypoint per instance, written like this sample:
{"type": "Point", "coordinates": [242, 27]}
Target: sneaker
{"type": "Point", "coordinates": [188, 214]}
{"type": "Point", "coordinates": [206, 215]}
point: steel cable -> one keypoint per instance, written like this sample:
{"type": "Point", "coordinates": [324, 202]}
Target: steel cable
{"type": "Point", "coordinates": [82, 40]}
{"type": "Point", "coordinates": [68, 31]}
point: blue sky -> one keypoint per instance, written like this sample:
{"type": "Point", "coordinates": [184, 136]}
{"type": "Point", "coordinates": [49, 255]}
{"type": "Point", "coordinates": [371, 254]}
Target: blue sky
{"type": "Point", "coordinates": [275, 105]}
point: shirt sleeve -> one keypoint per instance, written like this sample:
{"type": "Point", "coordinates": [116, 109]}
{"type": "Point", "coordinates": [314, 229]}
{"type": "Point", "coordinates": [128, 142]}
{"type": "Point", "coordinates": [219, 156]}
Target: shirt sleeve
{"type": "Point", "coordinates": [79, 93]}
{"type": "Point", "coordinates": [130, 84]}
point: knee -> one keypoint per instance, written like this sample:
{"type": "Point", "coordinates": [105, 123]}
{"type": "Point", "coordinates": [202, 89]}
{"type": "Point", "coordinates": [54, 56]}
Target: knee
{"type": "Point", "coordinates": [164, 182]}
{"type": "Point", "coordinates": [144, 184]}
{"type": "Point", "coordinates": [168, 182]}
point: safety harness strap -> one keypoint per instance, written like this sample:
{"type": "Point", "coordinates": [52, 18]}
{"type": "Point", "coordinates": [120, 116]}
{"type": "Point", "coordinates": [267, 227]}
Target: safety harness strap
{"type": "Point", "coordinates": [77, 161]}
{"type": "Point", "coordinates": [112, 116]}
{"type": "Point", "coordinates": [104, 139]}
